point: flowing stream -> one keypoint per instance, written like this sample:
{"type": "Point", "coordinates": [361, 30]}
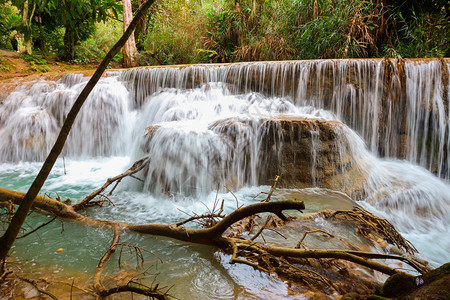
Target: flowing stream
{"type": "Point", "coordinates": [206, 129]}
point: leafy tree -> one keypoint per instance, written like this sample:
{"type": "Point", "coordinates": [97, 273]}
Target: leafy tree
{"type": "Point", "coordinates": [9, 22]}
{"type": "Point", "coordinates": [78, 17]}
{"type": "Point", "coordinates": [27, 9]}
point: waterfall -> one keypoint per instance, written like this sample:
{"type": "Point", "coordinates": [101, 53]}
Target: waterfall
{"type": "Point", "coordinates": [377, 130]}
{"type": "Point", "coordinates": [400, 108]}
{"type": "Point", "coordinates": [30, 119]}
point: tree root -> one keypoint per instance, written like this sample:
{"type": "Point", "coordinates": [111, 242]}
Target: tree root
{"type": "Point", "coordinates": [367, 221]}
{"type": "Point", "coordinates": [154, 293]}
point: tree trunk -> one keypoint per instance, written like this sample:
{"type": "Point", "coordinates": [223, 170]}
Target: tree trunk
{"type": "Point", "coordinates": [129, 49]}
{"type": "Point", "coordinates": [141, 29]}
{"type": "Point", "coordinates": [8, 238]}
{"type": "Point", "coordinates": [26, 24]}
{"type": "Point", "coordinates": [69, 43]}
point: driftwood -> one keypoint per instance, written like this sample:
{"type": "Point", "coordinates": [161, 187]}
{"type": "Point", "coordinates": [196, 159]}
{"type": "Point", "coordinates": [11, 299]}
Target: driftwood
{"type": "Point", "coordinates": [213, 236]}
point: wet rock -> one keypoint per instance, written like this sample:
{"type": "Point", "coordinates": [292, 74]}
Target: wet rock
{"type": "Point", "coordinates": [305, 152]}
{"type": "Point", "coordinates": [432, 285]}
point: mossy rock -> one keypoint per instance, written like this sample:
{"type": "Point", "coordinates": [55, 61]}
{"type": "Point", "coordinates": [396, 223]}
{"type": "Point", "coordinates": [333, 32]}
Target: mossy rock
{"type": "Point", "coordinates": [398, 284]}
{"type": "Point", "coordinates": [432, 285]}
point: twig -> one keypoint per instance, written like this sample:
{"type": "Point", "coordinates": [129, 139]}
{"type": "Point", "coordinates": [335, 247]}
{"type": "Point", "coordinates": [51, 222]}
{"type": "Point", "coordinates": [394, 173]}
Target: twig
{"type": "Point", "coordinates": [37, 228]}
{"type": "Point", "coordinates": [237, 201]}
{"type": "Point", "coordinates": [272, 189]}
{"type": "Point", "coordinates": [137, 178]}
{"type": "Point", "coordinates": [34, 284]}
{"type": "Point", "coordinates": [136, 248]}
{"type": "Point", "coordinates": [136, 167]}
{"type": "Point", "coordinates": [311, 231]}
{"type": "Point", "coordinates": [261, 229]}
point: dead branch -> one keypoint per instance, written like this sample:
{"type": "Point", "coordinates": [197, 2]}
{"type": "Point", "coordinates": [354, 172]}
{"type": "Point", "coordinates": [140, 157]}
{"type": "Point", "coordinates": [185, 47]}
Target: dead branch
{"type": "Point", "coordinates": [34, 284]}
{"type": "Point", "coordinates": [358, 257]}
{"type": "Point", "coordinates": [134, 287]}
{"type": "Point", "coordinates": [101, 265]}
{"type": "Point", "coordinates": [48, 204]}
{"type": "Point", "coordinates": [136, 167]}
{"type": "Point", "coordinates": [213, 236]}
{"type": "Point", "coordinates": [37, 228]}
{"type": "Point", "coordinates": [272, 189]}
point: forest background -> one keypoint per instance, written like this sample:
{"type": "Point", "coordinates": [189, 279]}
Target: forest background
{"type": "Point", "coordinates": [219, 31]}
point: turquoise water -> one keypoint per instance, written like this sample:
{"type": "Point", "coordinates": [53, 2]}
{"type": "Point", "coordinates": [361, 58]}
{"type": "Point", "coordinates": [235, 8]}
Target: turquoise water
{"type": "Point", "coordinates": [198, 269]}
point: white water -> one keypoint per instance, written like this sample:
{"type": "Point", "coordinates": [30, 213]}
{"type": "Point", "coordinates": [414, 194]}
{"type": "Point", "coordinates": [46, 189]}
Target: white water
{"type": "Point", "coordinates": [207, 125]}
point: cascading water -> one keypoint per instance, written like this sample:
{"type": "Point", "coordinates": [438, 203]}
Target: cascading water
{"type": "Point", "coordinates": [31, 118]}
{"type": "Point", "coordinates": [206, 127]}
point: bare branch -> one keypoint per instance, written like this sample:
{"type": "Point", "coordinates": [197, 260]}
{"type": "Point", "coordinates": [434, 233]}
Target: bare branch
{"type": "Point", "coordinates": [136, 167]}
{"type": "Point", "coordinates": [37, 228]}
{"type": "Point", "coordinates": [272, 189]}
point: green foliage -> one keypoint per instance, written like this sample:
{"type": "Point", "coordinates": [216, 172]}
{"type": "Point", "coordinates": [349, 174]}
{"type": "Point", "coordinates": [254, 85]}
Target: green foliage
{"type": "Point", "coordinates": [98, 44]}
{"type": "Point", "coordinates": [334, 29]}
{"type": "Point", "coordinates": [421, 37]}
{"type": "Point", "coordinates": [34, 59]}
{"type": "Point", "coordinates": [184, 32]}
{"type": "Point", "coordinates": [9, 22]}
{"type": "Point", "coordinates": [174, 33]}
{"type": "Point", "coordinates": [38, 64]}
{"type": "Point", "coordinates": [78, 17]}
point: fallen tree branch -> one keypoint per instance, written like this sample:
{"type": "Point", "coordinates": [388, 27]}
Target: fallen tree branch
{"type": "Point", "coordinates": [211, 236]}
{"type": "Point", "coordinates": [214, 236]}
{"type": "Point", "coordinates": [358, 257]}
{"type": "Point", "coordinates": [101, 265]}
{"type": "Point", "coordinates": [48, 204]}
{"type": "Point", "coordinates": [135, 288]}
{"type": "Point", "coordinates": [136, 167]}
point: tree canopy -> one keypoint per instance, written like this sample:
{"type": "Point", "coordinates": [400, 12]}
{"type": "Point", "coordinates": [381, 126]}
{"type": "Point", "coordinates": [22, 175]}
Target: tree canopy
{"type": "Point", "coordinates": [184, 32]}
